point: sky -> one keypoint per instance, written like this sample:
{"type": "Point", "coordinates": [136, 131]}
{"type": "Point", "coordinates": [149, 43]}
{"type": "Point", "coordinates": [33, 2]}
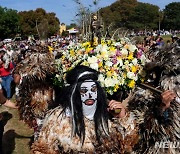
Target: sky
{"type": "Point", "coordinates": [67, 9]}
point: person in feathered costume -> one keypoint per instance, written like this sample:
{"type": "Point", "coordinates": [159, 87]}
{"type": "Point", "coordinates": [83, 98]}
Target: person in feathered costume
{"type": "Point", "coordinates": [34, 91]}
{"type": "Point", "coordinates": [83, 123]}
{"type": "Point", "coordinates": [159, 122]}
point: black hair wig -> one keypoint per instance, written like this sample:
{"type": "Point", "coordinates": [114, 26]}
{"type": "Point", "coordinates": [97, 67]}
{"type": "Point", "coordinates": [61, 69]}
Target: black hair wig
{"type": "Point", "coordinates": [75, 80]}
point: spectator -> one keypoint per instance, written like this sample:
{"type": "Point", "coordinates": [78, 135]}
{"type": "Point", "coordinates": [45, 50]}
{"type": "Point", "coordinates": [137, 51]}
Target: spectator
{"type": "Point", "coordinates": [5, 74]}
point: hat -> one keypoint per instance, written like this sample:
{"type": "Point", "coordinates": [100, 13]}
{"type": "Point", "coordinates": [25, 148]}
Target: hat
{"type": "Point", "coordinates": [81, 73]}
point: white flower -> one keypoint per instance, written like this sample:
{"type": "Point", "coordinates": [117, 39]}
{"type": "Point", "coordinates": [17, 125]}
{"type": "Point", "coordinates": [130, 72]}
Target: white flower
{"type": "Point", "coordinates": [115, 81]}
{"type": "Point", "coordinates": [143, 59]}
{"type": "Point", "coordinates": [57, 75]}
{"type": "Point", "coordinates": [132, 48]}
{"type": "Point", "coordinates": [109, 82]}
{"type": "Point", "coordinates": [101, 80]}
{"type": "Point", "coordinates": [120, 62]}
{"type": "Point", "coordinates": [118, 44]}
{"type": "Point", "coordinates": [132, 76]}
{"type": "Point", "coordinates": [134, 61]}
{"type": "Point", "coordinates": [94, 66]}
{"type": "Point", "coordinates": [104, 48]}
{"type": "Point", "coordinates": [92, 60]}
{"type": "Point", "coordinates": [98, 48]}
{"type": "Point", "coordinates": [121, 81]}
{"type": "Point", "coordinates": [126, 62]}
{"type": "Point", "coordinates": [109, 63]}
{"type": "Point", "coordinates": [124, 51]}
{"type": "Point", "coordinates": [130, 65]}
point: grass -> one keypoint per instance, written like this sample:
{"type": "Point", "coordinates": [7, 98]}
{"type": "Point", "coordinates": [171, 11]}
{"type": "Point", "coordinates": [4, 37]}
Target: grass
{"type": "Point", "coordinates": [17, 135]}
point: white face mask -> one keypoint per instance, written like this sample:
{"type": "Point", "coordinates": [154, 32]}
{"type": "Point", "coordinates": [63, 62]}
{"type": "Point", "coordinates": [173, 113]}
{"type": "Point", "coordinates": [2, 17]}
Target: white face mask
{"type": "Point", "coordinates": [88, 91]}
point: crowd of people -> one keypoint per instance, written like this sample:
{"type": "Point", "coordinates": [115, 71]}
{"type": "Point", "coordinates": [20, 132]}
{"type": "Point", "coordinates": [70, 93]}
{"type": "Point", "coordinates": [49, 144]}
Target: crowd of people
{"type": "Point", "coordinates": [80, 117]}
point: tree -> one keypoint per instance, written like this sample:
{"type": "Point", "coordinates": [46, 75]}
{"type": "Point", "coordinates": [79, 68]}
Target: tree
{"type": "Point", "coordinates": [172, 16]}
{"type": "Point", "coordinates": [146, 16]}
{"type": "Point", "coordinates": [53, 23]}
{"type": "Point", "coordinates": [131, 14]}
{"type": "Point", "coordinates": [28, 23]}
{"type": "Point", "coordinates": [39, 22]}
{"type": "Point", "coordinates": [83, 19]}
{"type": "Point", "coordinates": [72, 25]}
{"type": "Point", "coordinates": [9, 23]}
{"type": "Point", "coordinates": [119, 12]}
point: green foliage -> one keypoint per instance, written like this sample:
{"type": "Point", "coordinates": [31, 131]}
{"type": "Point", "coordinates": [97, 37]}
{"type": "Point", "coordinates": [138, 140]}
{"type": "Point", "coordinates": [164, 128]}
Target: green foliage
{"type": "Point", "coordinates": [72, 25]}
{"type": "Point", "coordinates": [131, 14]}
{"type": "Point", "coordinates": [39, 22]}
{"type": "Point", "coordinates": [119, 12]}
{"type": "Point", "coordinates": [172, 16]}
{"type": "Point", "coordinates": [145, 17]}
{"type": "Point", "coordinates": [9, 23]}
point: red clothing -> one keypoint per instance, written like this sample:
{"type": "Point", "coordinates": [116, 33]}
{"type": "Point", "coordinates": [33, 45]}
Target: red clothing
{"type": "Point", "coordinates": [6, 72]}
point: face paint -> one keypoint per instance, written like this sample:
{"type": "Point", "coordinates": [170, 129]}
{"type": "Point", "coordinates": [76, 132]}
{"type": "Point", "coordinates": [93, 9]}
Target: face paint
{"type": "Point", "coordinates": [88, 91]}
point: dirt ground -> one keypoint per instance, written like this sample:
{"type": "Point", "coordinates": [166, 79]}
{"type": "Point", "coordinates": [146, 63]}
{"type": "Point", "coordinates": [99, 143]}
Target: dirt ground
{"type": "Point", "coordinates": [17, 135]}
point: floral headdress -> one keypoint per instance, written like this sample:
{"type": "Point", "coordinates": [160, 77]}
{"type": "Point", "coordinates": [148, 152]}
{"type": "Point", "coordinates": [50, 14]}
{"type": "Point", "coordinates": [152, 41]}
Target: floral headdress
{"type": "Point", "coordinates": [120, 63]}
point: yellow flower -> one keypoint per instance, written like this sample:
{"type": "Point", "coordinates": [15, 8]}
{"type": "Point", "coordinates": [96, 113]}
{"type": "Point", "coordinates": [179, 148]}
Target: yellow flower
{"type": "Point", "coordinates": [124, 75]}
{"type": "Point", "coordinates": [100, 64]}
{"type": "Point", "coordinates": [115, 75]}
{"type": "Point", "coordinates": [72, 53]}
{"type": "Point", "coordinates": [131, 84]}
{"type": "Point", "coordinates": [101, 70]}
{"type": "Point", "coordinates": [106, 67]}
{"type": "Point", "coordinates": [116, 87]}
{"type": "Point", "coordinates": [115, 67]}
{"type": "Point", "coordinates": [112, 70]}
{"type": "Point", "coordinates": [85, 63]}
{"type": "Point", "coordinates": [88, 50]}
{"type": "Point", "coordinates": [86, 44]}
{"type": "Point", "coordinates": [126, 46]}
{"type": "Point", "coordinates": [79, 52]}
{"type": "Point", "coordinates": [137, 67]}
{"type": "Point", "coordinates": [130, 57]}
{"type": "Point", "coordinates": [127, 68]}
{"type": "Point", "coordinates": [112, 48]}
{"type": "Point", "coordinates": [109, 42]}
{"type": "Point", "coordinates": [63, 57]}
{"type": "Point", "coordinates": [50, 49]}
{"type": "Point", "coordinates": [142, 79]}
{"type": "Point", "coordinates": [109, 91]}
{"type": "Point", "coordinates": [95, 43]}
{"type": "Point", "coordinates": [104, 55]}
{"type": "Point", "coordinates": [133, 69]}
{"type": "Point", "coordinates": [103, 41]}
{"type": "Point", "coordinates": [109, 74]}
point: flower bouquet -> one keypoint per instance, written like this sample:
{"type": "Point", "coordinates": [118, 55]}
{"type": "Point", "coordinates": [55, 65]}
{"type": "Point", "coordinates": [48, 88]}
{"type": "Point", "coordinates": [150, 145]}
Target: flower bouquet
{"type": "Point", "coordinates": [119, 62]}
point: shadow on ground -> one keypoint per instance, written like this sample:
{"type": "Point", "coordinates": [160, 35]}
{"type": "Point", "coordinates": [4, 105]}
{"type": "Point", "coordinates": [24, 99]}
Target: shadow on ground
{"type": "Point", "coordinates": [17, 136]}
{"type": "Point", "coordinates": [9, 140]}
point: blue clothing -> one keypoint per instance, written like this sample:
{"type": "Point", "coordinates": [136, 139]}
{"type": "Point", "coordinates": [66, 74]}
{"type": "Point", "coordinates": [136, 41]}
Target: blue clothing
{"type": "Point", "coordinates": [6, 84]}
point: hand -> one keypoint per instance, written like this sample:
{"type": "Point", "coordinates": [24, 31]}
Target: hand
{"type": "Point", "coordinates": [17, 78]}
{"type": "Point", "coordinates": [114, 106]}
{"type": "Point", "coordinates": [167, 97]}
